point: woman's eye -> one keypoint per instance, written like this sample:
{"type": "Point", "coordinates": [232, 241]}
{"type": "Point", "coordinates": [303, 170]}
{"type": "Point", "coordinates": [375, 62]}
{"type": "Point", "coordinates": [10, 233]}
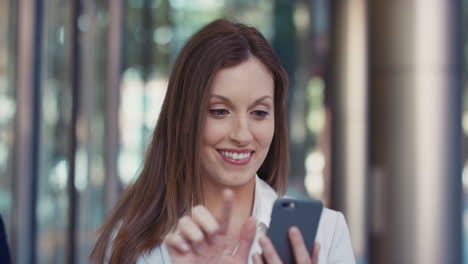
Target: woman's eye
{"type": "Point", "coordinates": [218, 112]}
{"type": "Point", "coordinates": [260, 113]}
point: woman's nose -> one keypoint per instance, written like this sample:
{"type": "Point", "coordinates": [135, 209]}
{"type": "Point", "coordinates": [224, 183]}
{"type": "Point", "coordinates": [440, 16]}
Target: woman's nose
{"type": "Point", "coordinates": [241, 133]}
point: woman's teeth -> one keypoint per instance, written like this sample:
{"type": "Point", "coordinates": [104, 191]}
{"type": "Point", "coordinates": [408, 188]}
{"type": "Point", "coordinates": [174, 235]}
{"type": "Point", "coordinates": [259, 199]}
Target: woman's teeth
{"type": "Point", "coordinates": [236, 156]}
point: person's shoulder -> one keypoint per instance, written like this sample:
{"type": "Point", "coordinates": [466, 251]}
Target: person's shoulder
{"type": "Point", "coordinates": [4, 249]}
{"type": "Point", "coordinates": [331, 221]}
{"type": "Point", "coordinates": [159, 254]}
{"type": "Point", "coordinates": [330, 217]}
{"type": "Point", "coordinates": [327, 224]}
{"type": "Point", "coordinates": [333, 236]}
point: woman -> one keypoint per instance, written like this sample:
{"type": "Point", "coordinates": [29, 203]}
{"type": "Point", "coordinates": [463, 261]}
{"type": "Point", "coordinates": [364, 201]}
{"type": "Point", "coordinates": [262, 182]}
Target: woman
{"type": "Point", "coordinates": [216, 163]}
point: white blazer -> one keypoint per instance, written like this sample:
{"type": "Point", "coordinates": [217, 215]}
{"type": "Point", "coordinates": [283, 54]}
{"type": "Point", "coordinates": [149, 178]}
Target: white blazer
{"type": "Point", "coordinates": [332, 233]}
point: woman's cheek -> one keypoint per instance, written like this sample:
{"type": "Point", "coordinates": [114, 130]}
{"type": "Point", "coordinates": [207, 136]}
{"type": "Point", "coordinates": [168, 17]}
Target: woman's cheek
{"type": "Point", "coordinates": [264, 132]}
{"type": "Point", "coordinates": [215, 130]}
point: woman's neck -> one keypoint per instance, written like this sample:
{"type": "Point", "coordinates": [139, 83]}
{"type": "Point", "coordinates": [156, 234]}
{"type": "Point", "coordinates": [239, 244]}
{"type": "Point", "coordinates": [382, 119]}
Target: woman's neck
{"type": "Point", "coordinates": [242, 207]}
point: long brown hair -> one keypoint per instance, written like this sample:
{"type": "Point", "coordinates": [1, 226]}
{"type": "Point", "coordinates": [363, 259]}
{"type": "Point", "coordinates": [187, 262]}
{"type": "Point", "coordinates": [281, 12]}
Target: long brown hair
{"type": "Point", "coordinates": [170, 179]}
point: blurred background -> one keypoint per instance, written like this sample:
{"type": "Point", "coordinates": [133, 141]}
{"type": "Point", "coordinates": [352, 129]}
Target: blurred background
{"type": "Point", "coordinates": [377, 114]}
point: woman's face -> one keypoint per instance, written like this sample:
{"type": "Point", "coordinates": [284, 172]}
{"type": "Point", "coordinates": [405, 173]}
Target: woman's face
{"type": "Point", "coordinates": [239, 125]}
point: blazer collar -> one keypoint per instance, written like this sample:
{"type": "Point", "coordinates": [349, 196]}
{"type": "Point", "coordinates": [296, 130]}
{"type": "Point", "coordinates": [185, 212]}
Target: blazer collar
{"type": "Point", "coordinates": [264, 199]}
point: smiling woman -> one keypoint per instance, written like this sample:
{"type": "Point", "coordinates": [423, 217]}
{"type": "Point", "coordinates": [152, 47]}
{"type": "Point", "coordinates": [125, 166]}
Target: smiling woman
{"type": "Point", "coordinates": [217, 161]}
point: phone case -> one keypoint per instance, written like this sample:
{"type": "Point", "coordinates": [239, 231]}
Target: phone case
{"type": "Point", "coordinates": [304, 214]}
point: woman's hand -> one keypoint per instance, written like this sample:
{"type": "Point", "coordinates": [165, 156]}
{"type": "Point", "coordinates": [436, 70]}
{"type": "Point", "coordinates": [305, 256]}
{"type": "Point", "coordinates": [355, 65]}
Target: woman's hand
{"type": "Point", "coordinates": [202, 238]}
{"type": "Point", "coordinates": [301, 254]}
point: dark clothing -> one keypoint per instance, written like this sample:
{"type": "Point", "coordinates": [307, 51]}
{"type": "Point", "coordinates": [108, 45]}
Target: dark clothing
{"type": "Point", "coordinates": [4, 250]}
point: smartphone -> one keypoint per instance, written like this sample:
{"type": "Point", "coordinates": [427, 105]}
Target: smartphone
{"type": "Point", "coordinates": [304, 214]}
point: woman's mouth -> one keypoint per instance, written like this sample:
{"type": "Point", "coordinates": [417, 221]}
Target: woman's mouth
{"type": "Point", "coordinates": [236, 157]}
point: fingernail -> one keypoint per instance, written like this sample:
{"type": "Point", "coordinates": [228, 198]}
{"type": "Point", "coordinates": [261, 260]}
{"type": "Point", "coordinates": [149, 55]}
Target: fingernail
{"type": "Point", "coordinates": [295, 232]}
{"type": "Point", "coordinates": [228, 194]}
{"type": "Point", "coordinates": [183, 246]}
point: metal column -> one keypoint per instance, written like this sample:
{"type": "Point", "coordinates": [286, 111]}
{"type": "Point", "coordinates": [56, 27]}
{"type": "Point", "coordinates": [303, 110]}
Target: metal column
{"type": "Point", "coordinates": [415, 80]}
{"type": "Point", "coordinates": [26, 130]}
{"type": "Point", "coordinates": [112, 102]}
{"type": "Point", "coordinates": [347, 88]}
{"type": "Point", "coordinates": [75, 74]}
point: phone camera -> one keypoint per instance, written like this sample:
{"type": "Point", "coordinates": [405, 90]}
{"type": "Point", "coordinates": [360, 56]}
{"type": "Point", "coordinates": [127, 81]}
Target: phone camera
{"type": "Point", "coordinates": [290, 205]}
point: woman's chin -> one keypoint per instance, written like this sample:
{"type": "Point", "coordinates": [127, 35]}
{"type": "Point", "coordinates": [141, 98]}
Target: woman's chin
{"type": "Point", "coordinates": [236, 181]}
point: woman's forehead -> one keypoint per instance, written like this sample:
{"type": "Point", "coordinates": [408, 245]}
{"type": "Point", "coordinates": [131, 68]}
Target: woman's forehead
{"type": "Point", "coordinates": [251, 77]}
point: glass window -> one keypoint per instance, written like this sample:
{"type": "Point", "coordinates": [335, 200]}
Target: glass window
{"type": "Point", "coordinates": [90, 172]}
{"type": "Point", "coordinates": [153, 33]}
{"type": "Point", "coordinates": [52, 200]}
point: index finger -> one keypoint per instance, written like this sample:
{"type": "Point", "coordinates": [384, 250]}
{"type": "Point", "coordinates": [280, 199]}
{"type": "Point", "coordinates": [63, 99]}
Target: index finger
{"type": "Point", "coordinates": [228, 200]}
{"type": "Point", "coordinates": [299, 249]}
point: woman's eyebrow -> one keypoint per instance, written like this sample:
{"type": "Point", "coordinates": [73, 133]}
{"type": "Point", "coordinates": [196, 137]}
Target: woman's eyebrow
{"type": "Point", "coordinates": [257, 101]}
{"type": "Point", "coordinates": [262, 98]}
{"type": "Point", "coordinates": [221, 98]}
